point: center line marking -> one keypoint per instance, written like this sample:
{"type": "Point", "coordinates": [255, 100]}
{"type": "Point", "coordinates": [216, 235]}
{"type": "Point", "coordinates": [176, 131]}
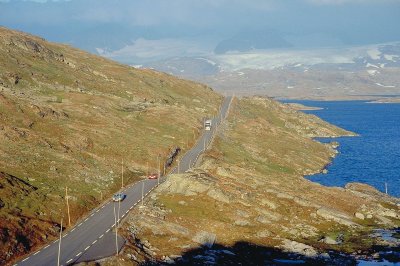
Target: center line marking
{"type": "Point", "coordinates": [25, 259]}
{"type": "Point", "coordinates": [86, 219]}
{"type": "Point", "coordinates": [73, 230]}
{"type": "Point", "coordinates": [94, 242]}
{"type": "Point", "coordinates": [92, 215]}
{"type": "Point", "coordinates": [101, 236]}
{"type": "Point", "coordinates": [46, 246]}
{"type": "Point", "coordinates": [87, 248]}
{"type": "Point", "coordinates": [79, 224]}
{"type": "Point", "coordinates": [108, 230]}
{"type": "Point", "coordinates": [77, 255]}
{"type": "Point", "coordinates": [69, 261]}
{"type": "Point", "coordinates": [36, 252]}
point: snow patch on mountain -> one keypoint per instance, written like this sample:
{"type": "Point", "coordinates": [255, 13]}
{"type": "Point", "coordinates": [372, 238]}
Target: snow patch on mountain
{"type": "Point", "coordinates": [385, 86]}
{"type": "Point", "coordinates": [374, 53]}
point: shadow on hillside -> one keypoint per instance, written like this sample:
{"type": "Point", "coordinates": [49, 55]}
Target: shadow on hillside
{"type": "Point", "coordinates": [245, 253]}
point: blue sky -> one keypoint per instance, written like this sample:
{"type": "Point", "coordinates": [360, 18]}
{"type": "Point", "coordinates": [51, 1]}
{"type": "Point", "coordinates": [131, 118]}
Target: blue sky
{"type": "Point", "coordinates": [198, 25]}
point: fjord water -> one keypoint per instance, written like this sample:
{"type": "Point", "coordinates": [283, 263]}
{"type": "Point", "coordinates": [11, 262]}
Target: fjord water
{"type": "Point", "coordinates": [374, 156]}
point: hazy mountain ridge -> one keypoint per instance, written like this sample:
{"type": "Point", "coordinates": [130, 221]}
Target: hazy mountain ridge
{"type": "Point", "coordinates": [249, 40]}
{"type": "Point", "coordinates": [316, 73]}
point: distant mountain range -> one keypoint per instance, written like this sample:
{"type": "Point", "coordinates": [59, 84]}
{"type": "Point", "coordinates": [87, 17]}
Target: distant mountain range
{"type": "Point", "coordinates": [252, 40]}
{"type": "Point", "coordinates": [346, 72]}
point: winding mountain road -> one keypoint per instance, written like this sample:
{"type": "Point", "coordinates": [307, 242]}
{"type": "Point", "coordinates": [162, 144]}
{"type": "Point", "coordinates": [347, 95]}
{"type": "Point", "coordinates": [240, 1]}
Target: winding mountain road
{"type": "Point", "coordinates": [94, 237]}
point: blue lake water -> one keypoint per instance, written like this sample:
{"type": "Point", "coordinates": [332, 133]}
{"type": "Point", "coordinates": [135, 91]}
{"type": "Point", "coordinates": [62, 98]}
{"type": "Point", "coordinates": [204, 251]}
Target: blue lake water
{"type": "Point", "coordinates": [374, 156]}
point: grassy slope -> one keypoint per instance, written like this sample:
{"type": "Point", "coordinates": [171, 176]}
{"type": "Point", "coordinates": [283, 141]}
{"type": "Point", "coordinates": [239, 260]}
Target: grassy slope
{"type": "Point", "coordinates": [250, 188]}
{"type": "Point", "coordinates": [68, 118]}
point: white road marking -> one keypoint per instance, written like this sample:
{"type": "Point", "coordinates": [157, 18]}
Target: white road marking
{"type": "Point", "coordinates": [65, 234]}
{"type": "Point", "coordinates": [92, 215]}
{"type": "Point", "coordinates": [108, 230]}
{"type": "Point", "coordinates": [126, 212]}
{"type": "Point", "coordinates": [46, 246]}
{"type": "Point", "coordinates": [77, 255]}
{"type": "Point", "coordinates": [73, 230]}
{"type": "Point", "coordinates": [87, 248]}
{"type": "Point", "coordinates": [69, 261]}
{"type": "Point", "coordinates": [86, 219]}
{"type": "Point", "coordinates": [98, 210]}
{"type": "Point", "coordinates": [36, 252]}
{"type": "Point", "coordinates": [101, 236]}
{"type": "Point", "coordinates": [25, 259]}
{"type": "Point", "coordinates": [94, 242]}
{"type": "Point", "coordinates": [79, 224]}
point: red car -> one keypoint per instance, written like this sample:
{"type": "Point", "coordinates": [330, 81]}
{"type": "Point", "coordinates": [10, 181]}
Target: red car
{"type": "Point", "coordinates": [153, 176]}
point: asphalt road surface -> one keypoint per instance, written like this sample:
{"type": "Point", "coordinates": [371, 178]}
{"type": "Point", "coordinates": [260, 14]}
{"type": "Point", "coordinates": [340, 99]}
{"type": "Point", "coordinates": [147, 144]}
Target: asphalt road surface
{"type": "Point", "coordinates": [94, 237]}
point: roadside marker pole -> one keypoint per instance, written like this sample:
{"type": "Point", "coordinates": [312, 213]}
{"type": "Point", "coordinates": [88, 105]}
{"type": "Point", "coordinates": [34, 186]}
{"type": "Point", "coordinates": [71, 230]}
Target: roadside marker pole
{"type": "Point", "coordinates": [159, 169]}
{"type": "Point", "coordinates": [386, 187]}
{"type": "Point", "coordinates": [59, 244]}
{"type": "Point", "coordinates": [66, 197]}
{"type": "Point", "coordinates": [119, 208]}
{"type": "Point", "coordinates": [116, 232]}
{"type": "Point", "coordinates": [142, 192]}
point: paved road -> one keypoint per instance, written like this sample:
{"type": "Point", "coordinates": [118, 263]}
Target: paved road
{"type": "Point", "coordinates": [94, 237]}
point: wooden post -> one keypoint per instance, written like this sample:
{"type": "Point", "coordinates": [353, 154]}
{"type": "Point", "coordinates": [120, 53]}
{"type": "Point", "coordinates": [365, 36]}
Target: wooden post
{"type": "Point", "coordinates": [122, 171]}
{"type": "Point", "coordinates": [66, 198]}
{"type": "Point", "coordinates": [164, 170]}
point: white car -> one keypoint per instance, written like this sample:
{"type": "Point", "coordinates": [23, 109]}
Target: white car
{"type": "Point", "coordinates": [119, 197]}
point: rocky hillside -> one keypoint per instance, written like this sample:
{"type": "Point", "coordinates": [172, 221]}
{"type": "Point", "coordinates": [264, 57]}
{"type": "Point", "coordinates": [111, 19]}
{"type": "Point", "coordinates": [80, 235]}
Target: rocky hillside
{"type": "Point", "coordinates": [68, 118]}
{"type": "Point", "coordinates": [247, 201]}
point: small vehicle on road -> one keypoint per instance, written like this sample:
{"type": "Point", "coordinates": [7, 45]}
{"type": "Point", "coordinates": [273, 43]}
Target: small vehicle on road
{"type": "Point", "coordinates": [207, 124]}
{"type": "Point", "coordinates": [119, 197]}
{"type": "Point", "coordinates": [153, 176]}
